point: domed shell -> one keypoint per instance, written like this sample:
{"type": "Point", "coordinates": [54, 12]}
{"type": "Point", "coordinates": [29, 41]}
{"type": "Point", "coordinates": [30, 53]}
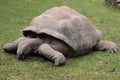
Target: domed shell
{"type": "Point", "coordinates": [67, 25]}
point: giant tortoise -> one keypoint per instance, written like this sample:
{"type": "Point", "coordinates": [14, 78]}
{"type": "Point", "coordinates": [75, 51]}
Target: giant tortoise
{"type": "Point", "coordinates": [58, 33]}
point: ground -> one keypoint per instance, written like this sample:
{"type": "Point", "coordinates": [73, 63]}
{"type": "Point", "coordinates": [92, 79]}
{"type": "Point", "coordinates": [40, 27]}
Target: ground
{"type": "Point", "coordinates": [17, 14]}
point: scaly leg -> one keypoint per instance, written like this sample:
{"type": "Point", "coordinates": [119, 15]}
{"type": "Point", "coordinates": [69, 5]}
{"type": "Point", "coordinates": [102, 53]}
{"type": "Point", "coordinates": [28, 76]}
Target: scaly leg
{"type": "Point", "coordinates": [107, 46]}
{"type": "Point", "coordinates": [12, 47]}
{"type": "Point", "coordinates": [47, 51]}
{"type": "Point", "coordinates": [30, 45]}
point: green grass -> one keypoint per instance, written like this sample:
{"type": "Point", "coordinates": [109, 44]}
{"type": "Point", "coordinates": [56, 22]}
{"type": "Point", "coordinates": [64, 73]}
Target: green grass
{"type": "Point", "coordinates": [17, 14]}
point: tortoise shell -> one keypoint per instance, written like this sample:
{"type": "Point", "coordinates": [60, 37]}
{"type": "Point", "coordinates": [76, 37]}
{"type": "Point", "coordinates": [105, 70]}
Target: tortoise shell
{"type": "Point", "coordinates": [67, 25]}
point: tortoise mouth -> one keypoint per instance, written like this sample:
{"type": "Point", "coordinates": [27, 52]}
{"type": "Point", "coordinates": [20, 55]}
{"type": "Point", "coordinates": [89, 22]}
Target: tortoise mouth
{"type": "Point", "coordinates": [30, 34]}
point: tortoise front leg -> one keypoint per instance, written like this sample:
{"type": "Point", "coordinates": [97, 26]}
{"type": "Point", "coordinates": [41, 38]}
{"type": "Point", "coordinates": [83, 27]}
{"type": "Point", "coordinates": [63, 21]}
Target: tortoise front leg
{"type": "Point", "coordinates": [47, 51]}
{"type": "Point", "coordinates": [29, 45]}
{"type": "Point", "coordinates": [12, 47]}
{"type": "Point", "coordinates": [107, 46]}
